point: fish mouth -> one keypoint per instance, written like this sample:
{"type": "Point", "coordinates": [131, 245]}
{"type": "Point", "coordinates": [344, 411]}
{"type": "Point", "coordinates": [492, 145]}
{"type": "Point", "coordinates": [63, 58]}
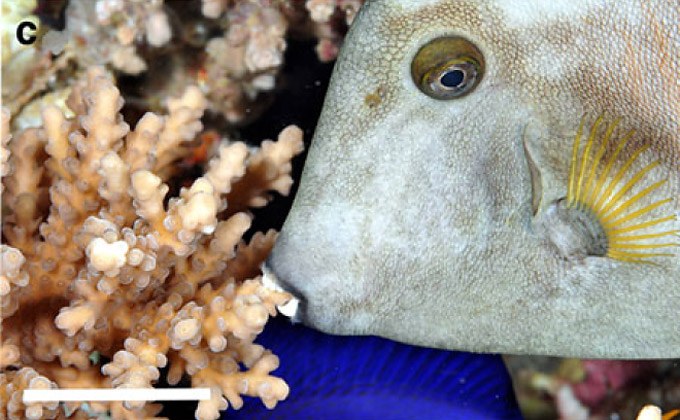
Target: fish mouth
{"type": "Point", "coordinates": [290, 309]}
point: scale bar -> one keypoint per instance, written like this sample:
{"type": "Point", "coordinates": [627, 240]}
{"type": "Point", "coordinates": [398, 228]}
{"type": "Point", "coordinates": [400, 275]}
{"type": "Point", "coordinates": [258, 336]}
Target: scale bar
{"type": "Point", "coordinates": [116, 394]}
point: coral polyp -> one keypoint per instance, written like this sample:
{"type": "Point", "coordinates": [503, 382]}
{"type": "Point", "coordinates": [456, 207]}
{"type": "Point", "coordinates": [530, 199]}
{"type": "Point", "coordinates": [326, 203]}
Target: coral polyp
{"type": "Point", "coordinates": [620, 200]}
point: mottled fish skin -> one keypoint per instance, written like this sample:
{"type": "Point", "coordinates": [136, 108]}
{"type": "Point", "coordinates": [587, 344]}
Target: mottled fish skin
{"type": "Point", "coordinates": [414, 216]}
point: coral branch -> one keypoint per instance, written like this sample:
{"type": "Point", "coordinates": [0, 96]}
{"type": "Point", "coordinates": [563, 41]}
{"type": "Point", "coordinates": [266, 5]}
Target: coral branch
{"type": "Point", "coordinates": [121, 271]}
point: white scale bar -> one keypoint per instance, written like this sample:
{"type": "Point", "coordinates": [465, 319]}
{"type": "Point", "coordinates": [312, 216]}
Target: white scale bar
{"type": "Point", "coordinates": [116, 394]}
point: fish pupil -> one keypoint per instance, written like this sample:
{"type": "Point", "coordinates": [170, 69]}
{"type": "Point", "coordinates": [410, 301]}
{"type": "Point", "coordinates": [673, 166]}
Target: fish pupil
{"type": "Point", "coordinates": [452, 78]}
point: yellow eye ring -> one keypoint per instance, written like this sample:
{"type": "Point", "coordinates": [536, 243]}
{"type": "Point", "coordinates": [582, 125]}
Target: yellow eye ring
{"type": "Point", "coordinates": [447, 68]}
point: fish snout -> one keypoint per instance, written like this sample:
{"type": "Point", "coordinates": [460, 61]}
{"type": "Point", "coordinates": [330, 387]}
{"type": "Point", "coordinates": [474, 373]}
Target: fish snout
{"type": "Point", "coordinates": [314, 260]}
{"type": "Point", "coordinates": [294, 308]}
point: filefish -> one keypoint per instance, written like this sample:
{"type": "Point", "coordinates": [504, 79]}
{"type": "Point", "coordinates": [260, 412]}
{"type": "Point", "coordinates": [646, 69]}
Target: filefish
{"type": "Point", "coordinates": [496, 176]}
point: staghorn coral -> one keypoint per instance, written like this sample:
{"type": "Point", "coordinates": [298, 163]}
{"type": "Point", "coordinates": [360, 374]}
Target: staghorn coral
{"type": "Point", "coordinates": [331, 18]}
{"type": "Point", "coordinates": [26, 69]}
{"type": "Point", "coordinates": [101, 32]}
{"type": "Point", "coordinates": [115, 269]}
{"type": "Point", "coordinates": [246, 60]}
{"type": "Point", "coordinates": [237, 71]}
{"type": "Point", "coordinates": [118, 28]}
{"type": "Point", "coordinates": [326, 20]}
{"type": "Point", "coordinates": [13, 13]}
{"type": "Point", "coordinates": [242, 66]}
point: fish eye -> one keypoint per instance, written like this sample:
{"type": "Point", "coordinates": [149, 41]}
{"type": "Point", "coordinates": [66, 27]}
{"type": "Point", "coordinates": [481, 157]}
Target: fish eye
{"type": "Point", "coordinates": [447, 67]}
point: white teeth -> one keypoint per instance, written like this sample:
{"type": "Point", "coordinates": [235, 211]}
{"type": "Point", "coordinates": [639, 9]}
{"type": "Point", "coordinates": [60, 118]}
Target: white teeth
{"type": "Point", "coordinates": [269, 281]}
{"type": "Point", "coordinates": [290, 309]}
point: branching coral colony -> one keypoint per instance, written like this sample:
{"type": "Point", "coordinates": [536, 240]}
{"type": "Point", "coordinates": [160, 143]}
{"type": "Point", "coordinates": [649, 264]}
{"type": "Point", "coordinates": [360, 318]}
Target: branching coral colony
{"type": "Point", "coordinates": [97, 263]}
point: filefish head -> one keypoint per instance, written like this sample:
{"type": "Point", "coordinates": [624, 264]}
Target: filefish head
{"type": "Point", "coordinates": [496, 176]}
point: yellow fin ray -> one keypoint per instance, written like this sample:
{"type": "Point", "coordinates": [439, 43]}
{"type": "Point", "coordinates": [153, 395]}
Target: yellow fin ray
{"type": "Point", "coordinates": [598, 157]}
{"type": "Point", "coordinates": [643, 246]}
{"type": "Point", "coordinates": [574, 158]}
{"type": "Point", "coordinates": [619, 175]}
{"type": "Point", "coordinates": [642, 225]}
{"type": "Point", "coordinates": [616, 239]}
{"type": "Point", "coordinates": [628, 256]}
{"type": "Point", "coordinates": [618, 200]}
{"type": "Point", "coordinates": [628, 186]}
{"type": "Point", "coordinates": [610, 163]}
{"type": "Point", "coordinates": [638, 213]}
{"type": "Point", "coordinates": [633, 200]}
{"type": "Point", "coordinates": [585, 157]}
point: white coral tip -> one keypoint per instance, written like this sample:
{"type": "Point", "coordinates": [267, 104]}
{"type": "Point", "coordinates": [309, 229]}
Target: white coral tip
{"type": "Point", "coordinates": [186, 329]}
{"type": "Point", "coordinates": [145, 184]}
{"type": "Point", "coordinates": [106, 256]}
{"type": "Point", "coordinates": [158, 31]}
